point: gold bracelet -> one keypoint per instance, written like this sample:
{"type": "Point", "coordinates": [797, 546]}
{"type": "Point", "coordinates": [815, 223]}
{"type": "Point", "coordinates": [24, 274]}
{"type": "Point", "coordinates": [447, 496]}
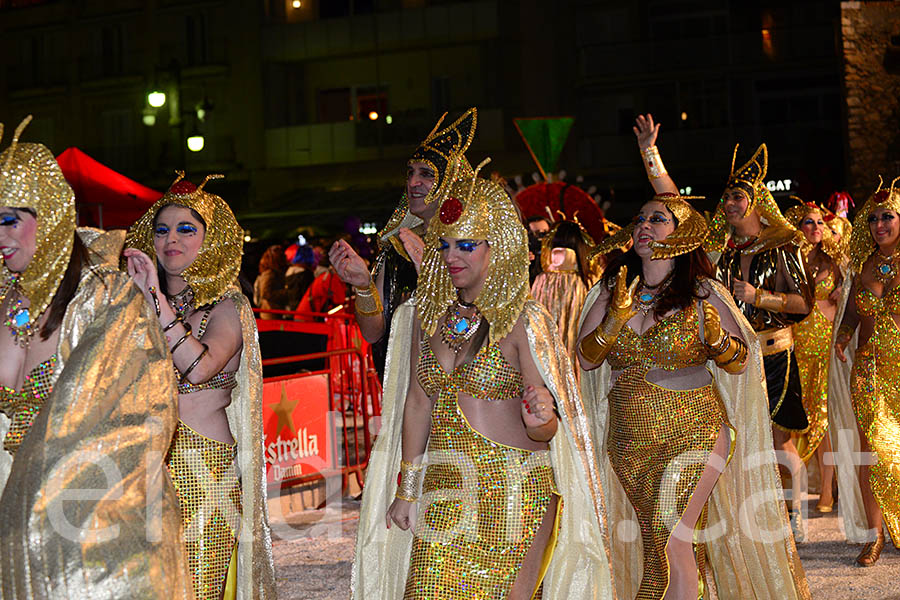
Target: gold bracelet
{"type": "Point", "coordinates": [735, 355]}
{"type": "Point", "coordinates": [408, 481]}
{"type": "Point", "coordinates": [368, 302]}
{"type": "Point", "coordinates": [596, 345]}
{"type": "Point", "coordinates": [653, 163]}
{"type": "Point", "coordinates": [771, 301]}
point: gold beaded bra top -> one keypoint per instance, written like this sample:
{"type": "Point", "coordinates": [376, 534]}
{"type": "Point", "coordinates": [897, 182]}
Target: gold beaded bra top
{"type": "Point", "coordinates": [673, 343]}
{"type": "Point", "coordinates": [824, 287]}
{"type": "Point", "coordinates": [870, 305]}
{"type": "Point", "coordinates": [223, 380]}
{"type": "Point", "coordinates": [23, 406]}
{"type": "Point", "coordinates": [488, 376]}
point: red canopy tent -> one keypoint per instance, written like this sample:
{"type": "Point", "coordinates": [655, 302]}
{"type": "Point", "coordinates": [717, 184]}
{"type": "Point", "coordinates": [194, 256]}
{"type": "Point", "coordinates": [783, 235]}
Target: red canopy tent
{"type": "Point", "coordinates": [103, 197]}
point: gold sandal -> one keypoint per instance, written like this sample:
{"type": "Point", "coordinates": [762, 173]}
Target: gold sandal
{"type": "Point", "coordinates": [871, 551]}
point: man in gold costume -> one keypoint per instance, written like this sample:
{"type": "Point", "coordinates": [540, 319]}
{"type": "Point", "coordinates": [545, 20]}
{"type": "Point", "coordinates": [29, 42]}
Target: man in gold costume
{"type": "Point", "coordinates": [393, 277]}
{"type": "Point", "coordinates": [864, 380]}
{"type": "Point", "coordinates": [87, 389]}
{"type": "Point", "coordinates": [480, 385]}
{"type": "Point", "coordinates": [757, 257]}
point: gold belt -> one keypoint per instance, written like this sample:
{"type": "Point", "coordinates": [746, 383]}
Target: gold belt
{"type": "Point", "coordinates": [773, 341]}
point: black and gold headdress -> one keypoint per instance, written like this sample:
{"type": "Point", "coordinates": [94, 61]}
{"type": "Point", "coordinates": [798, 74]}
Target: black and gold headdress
{"type": "Point", "coordinates": [219, 259]}
{"type": "Point", "coordinates": [440, 149]}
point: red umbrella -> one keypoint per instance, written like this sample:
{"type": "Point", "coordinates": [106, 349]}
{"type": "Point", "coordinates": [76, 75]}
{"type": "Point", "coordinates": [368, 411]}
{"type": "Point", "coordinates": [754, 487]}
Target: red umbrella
{"type": "Point", "coordinates": [559, 196]}
{"type": "Point", "coordinates": [104, 198]}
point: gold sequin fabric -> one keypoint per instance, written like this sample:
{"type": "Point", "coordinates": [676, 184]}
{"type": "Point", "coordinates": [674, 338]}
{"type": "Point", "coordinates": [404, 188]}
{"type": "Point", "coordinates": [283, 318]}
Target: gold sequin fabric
{"type": "Point", "coordinates": [482, 501]}
{"type": "Point", "coordinates": [562, 294]}
{"type": "Point", "coordinates": [209, 493]}
{"type": "Point", "coordinates": [660, 439]}
{"type": "Point", "coordinates": [670, 344]}
{"type": "Point", "coordinates": [812, 347]}
{"type": "Point", "coordinates": [875, 394]}
{"type": "Point", "coordinates": [23, 406]}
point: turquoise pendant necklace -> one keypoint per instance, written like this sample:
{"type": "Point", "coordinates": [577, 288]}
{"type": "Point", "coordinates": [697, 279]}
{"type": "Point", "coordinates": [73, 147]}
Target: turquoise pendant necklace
{"type": "Point", "coordinates": [18, 321]}
{"type": "Point", "coordinates": [883, 269]}
{"type": "Point", "coordinates": [459, 329]}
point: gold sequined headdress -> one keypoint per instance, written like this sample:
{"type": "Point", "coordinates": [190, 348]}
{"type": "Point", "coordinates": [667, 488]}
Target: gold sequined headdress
{"type": "Point", "coordinates": [862, 244]}
{"type": "Point", "coordinates": [31, 178]}
{"type": "Point", "coordinates": [477, 209]}
{"type": "Point", "coordinates": [689, 234]}
{"type": "Point", "coordinates": [219, 259]}
{"type": "Point", "coordinates": [440, 148]}
{"type": "Point", "coordinates": [830, 244]}
{"type": "Point", "coordinates": [750, 178]}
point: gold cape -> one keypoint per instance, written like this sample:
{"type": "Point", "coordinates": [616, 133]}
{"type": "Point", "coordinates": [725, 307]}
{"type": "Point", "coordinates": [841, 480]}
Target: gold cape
{"type": "Point", "coordinates": [843, 429]}
{"type": "Point", "coordinates": [580, 567]}
{"type": "Point", "coordinates": [747, 499]}
{"type": "Point", "coordinates": [255, 566]}
{"type": "Point", "coordinates": [89, 511]}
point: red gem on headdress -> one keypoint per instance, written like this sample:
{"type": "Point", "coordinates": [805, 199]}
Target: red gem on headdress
{"type": "Point", "coordinates": [182, 188]}
{"type": "Point", "coordinates": [828, 217]}
{"type": "Point", "coordinates": [451, 210]}
{"type": "Point", "coordinates": [881, 196]}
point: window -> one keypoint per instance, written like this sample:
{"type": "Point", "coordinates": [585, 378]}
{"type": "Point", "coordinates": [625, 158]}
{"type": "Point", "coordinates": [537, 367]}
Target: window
{"type": "Point", "coordinates": [195, 40]}
{"type": "Point", "coordinates": [335, 105]}
{"type": "Point", "coordinates": [370, 101]}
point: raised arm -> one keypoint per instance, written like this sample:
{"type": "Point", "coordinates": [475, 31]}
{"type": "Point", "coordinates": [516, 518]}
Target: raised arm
{"type": "Point", "coordinates": [351, 268]}
{"type": "Point", "coordinates": [646, 132]}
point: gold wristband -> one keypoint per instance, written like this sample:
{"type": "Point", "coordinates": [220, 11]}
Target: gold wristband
{"type": "Point", "coordinates": [596, 345]}
{"type": "Point", "coordinates": [368, 302]}
{"type": "Point", "coordinates": [408, 481]}
{"type": "Point", "coordinates": [733, 358]}
{"type": "Point", "coordinates": [771, 301]}
{"type": "Point", "coordinates": [653, 163]}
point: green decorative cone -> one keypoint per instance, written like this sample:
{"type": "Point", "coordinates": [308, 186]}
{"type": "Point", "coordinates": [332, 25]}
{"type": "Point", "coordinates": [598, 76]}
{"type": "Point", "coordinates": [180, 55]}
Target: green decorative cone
{"type": "Point", "coordinates": [545, 138]}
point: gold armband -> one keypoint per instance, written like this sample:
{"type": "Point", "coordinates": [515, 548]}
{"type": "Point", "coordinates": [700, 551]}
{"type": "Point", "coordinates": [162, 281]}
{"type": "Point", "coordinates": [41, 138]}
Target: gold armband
{"type": "Point", "coordinates": [771, 301]}
{"type": "Point", "coordinates": [596, 345]}
{"type": "Point", "coordinates": [368, 302]}
{"type": "Point", "coordinates": [653, 163]}
{"type": "Point", "coordinates": [734, 356]}
{"type": "Point", "coordinates": [408, 481]}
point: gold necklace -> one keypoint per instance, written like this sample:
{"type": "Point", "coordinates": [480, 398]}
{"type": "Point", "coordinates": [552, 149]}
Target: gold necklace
{"type": "Point", "coordinates": [884, 269]}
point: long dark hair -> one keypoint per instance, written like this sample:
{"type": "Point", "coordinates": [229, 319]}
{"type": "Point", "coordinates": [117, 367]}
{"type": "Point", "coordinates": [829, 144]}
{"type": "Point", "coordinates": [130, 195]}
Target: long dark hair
{"type": "Point", "coordinates": [683, 290]}
{"type": "Point", "coordinates": [568, 235]}
{"type": "Point", "coordinates": [67, 287]}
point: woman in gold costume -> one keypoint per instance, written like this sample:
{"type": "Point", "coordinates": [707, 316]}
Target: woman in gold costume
{"type": "Point", "coordinates": [87, 401]}
{"type": "Point", "coordinates": [678, 400]}
{"type": "Point", "coordinates": [824, 260]}
{"type": "Point", "coordinates": [184, 255]}
{"type": "Point", "coordinates": [566, 276]}
{"type": "Point", "coordinates": [493, 433]}
{"type": "Point", "coordinates": [869, 338]}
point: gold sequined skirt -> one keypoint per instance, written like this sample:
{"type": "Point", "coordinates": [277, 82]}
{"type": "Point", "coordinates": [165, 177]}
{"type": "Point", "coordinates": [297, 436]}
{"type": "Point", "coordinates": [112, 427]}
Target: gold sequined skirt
{"type": "Point", "coordinates": [875, 394]}
{"type": "Point", "coordinates": [209, 493]}
{"type": "Point", "coordinates": [482, 504]}
{"type": "Point", "coordinates": [812, 344]}
{"type": "Point", "coordinates": [659, 444]}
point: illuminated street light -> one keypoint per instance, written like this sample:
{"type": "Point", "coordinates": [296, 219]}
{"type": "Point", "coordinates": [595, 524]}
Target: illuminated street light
{"type": "Point", "coordinates": [156, 99]}
{"type": "Point", "coordinates": [149, 117]}
{"type": "Point", "coordinates": [389, 119]}
{"type": "Point", "coordinates": [684, 116]}
{"type": "Point", "coordinates": [373, 116]}
{"type": "Point", "coordinates": [195, 142]}
{"type": "Point", "coordinates": [296, 4]}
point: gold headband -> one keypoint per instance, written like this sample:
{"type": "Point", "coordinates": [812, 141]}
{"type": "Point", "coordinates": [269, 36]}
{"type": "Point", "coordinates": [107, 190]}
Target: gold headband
{"type": "Point", "coordinates": [219, 260]}
{"type": "Point", "coordinates": [862, 244]}
{"type": "Point", "coordinates": [830, 244]}
{"type": "Point", "coordinates": [31, 178]}
{"type": "Point", "coordinates": [689, 234]}
{"type": "Point", "coordinates": [478, 209]}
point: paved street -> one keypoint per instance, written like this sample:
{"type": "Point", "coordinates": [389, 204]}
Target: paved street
{"type": "Point", "coordinates": [313, 557]}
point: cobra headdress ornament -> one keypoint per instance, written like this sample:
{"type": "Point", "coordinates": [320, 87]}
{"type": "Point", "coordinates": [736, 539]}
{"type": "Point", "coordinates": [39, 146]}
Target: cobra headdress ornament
{"type": "Point", "coordinates": [219, 259]}
{"type": "Point", "coordinates": [751, 179]}
{"type": "Point", "coordinates": [862, 244]}
{"type": "Point", "coordinates": [689, 234]}
{"type": "Point", "coordinates": [831, 245]}
{"type": "Point", "coordinates": [441, 151]}
{"type": "Point", "coordinates": [30, 178]}
{"type": "Point", "coordinates": [478, 209]}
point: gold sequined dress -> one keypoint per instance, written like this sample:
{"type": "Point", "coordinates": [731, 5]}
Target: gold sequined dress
{"type": "Point", "coordinates": [812, 343]}
{"type": "Point", "coordinates": [22, 406]}
{"type": "Point", "coordinates": [652, 426]}
{"type": "Point", "coordinates": [482, 501]}
{"type": "Point", "coordinates": [562, 292]}
{"type": "Point", "coordinates": [875, 394]}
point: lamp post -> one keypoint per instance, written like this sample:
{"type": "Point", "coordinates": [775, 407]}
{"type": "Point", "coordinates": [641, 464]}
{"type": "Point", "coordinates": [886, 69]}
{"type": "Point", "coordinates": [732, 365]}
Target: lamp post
{"type": "Point", "coordinates": [157, 98]}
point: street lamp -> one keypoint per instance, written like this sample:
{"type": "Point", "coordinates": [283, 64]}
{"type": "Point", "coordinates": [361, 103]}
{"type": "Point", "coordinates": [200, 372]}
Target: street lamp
{"type": "Point", "coordinates": [195, 141]}
{"type": "Point", "coordinates": [156, 98]}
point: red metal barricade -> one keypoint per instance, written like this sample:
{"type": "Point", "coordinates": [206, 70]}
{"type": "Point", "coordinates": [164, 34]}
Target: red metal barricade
{"type": "Point", "coordinates": [319, 423]}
